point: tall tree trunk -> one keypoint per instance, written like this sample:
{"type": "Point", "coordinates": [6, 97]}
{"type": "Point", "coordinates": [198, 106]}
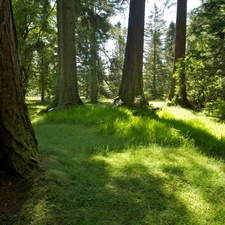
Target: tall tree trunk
{"type": "Point", "coordinates": [180, 47]}
{"type": "Point", "coordinates": [42, 80]}
{"type": "Point", "coordinates": [93, 62]}
{"type": "Point", "coordinates": [18, 145]}
{"type": "Point", "coordinates": [154, 68]}
{"type": "Point", "coordinates": [132, 79]}
{"type": "Point", "coordinates": [66, 85]}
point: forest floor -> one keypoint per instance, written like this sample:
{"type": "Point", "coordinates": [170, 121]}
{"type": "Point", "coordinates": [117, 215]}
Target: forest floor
{"type": "Point", "coordinates": [13, 195]}
{"type": "Point", "coordinates": [113, 166]}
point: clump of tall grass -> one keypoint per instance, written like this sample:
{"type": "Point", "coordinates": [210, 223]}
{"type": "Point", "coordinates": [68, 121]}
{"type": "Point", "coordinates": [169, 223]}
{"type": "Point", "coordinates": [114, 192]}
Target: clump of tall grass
{"type": "Point", "coordinates": [88, 115]}
{"type": "Point", "coordinates": [144, 130]}
{"type": "Point", "coordinates": [171, 126]}
{"type": "Point", "coordinates": [122, 123]}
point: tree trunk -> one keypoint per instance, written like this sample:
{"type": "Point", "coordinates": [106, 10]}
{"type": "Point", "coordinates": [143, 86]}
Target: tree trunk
{"type": "Point", "coordinates": [154, 68]}
{"type": "Point", "coordinates": [93, 61]}
{"type": "Point", "coordinates": [18, 145]}
{"type": "Point", "coordinates": [181, 95]}
{"type": "Point", "coordinates": [180, 47]}
{"type": "Point", "coordinates": [42, 81]}
{"type": "Point", "coordinates": [132, 79]}
{"type": "Point", "coordinates": [66, 86]}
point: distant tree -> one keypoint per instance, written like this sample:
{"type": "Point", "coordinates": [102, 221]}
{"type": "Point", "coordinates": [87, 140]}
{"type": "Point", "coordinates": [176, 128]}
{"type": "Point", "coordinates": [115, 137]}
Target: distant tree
{"type": "Point", "coordinates": [131, 86]}
{"type": "Point", "coordinates": [180, 46]}
{"type": "Point", "coordinates": [35, 24]}
{"type": "Point", "coordinates": [155, 76]}
{"type": "Point", "coordinates": [44, 69]}
{"type": "Point", "coordinates": [117, 58]}
{"type": "Point", "coordinates": [19, 149]}
{"type": "Point", "coordinates": [169, 47]}
{"type": "Point", "coordinates": [67, 85]}
{"type": "Point", "coordinates": [93, 31]}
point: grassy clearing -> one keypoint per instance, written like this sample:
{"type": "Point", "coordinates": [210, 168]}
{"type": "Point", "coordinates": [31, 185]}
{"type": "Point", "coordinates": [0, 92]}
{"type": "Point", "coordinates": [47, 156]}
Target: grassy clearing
{"type": "Point", "coordinates": [101, 165]}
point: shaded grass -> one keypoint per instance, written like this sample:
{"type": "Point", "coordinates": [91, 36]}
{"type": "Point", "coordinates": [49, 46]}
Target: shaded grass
{"type": "Point", "coordinates": [206, 134]}
{"type": "Point", "coordinates": [101, 165]}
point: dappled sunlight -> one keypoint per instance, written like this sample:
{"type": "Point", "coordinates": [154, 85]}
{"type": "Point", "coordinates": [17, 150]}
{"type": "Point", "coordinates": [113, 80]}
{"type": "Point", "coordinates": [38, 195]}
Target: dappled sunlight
{"type": "Point", "coordinates": [112, 166]}
{"type": "Point", "coordinates": [197, 120]}
{"type": "Point", "coordinates": [197, 132]}
{"type": "Point", "coordinates": [138, 130]}
{"type": "Point", "coordinates": [37, 120]}
{"type": "Point", "coordinates": [34, 110]}
{"type": "Point", "coordinates": [41, 212]}
{"type": "Point", "coordinates": [87, 115]}
{"type": "Point", "coordinates": [187, 176]}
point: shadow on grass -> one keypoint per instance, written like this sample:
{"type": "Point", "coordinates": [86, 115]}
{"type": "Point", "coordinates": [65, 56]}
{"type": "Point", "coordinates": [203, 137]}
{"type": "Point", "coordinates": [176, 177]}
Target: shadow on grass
{"type": "Point", "coordinates": [127, 131]}
{"type": "Point", "coordinates": [205, 142]}
{"type": "Point", "coordinates": [13, 197]}
{"type": "Point", "coordinates": [82, 190]}
{"type": "Point", "coordinates": [80, 185]}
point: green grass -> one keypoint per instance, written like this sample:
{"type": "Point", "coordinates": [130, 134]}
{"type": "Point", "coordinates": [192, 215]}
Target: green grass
{"type": "Point", "coordinates": [104, 165]}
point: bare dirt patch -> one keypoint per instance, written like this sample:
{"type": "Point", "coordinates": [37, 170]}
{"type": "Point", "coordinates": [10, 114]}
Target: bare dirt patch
{"type": "Point", "coordinates": [13, 195]}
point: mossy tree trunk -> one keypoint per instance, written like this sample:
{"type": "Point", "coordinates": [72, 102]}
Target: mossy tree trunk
{"type": "Point", "coordinates": [66, 85]}
{"type": "Point", "coordinates": [180, 48]}
{"type": "Point", "coordinates": [18, 145]}
{"type": "Point", "coordinates": [132, 79]}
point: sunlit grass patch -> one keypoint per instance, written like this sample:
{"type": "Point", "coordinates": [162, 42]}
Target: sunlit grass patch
{"type": "Point", "coordinates": [35, 107]}
{"type": "Point", "coordinates": [122, 123]}
{"type": "Point", "coordinates": [205, 133]}
{"type": "Point", "coordinates": [185, 176]}
{"type": "Point", "coordinates": [197, 120]}
{"type": "Point", "coordinates": [144, 130]}
{"type": "Point", "coordinates": [104, 165]}
{"type": "Point", "coordinates": [87, 114]}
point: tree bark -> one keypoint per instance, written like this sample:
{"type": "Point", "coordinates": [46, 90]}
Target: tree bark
{"type": "Point", "coordinates": [93, 62]}
{"type": "Point", "coordinates": [180, 48]}
{"type": "Point", "coordinates": [18, 145]}
{"type": "Point", "coordinates": [132, 79]}
{"type": "Point", "coordinates": [66, 85]}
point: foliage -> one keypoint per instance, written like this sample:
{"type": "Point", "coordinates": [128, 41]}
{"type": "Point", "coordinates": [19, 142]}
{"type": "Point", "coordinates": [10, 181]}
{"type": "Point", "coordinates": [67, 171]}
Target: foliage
{"type": "Point", "coordinates": [169, 48]}
{"type": "Point", "coordinates": [205, 60]}
{"type": "Point", "coordinates": [156, 76]}
{"type": "Point", "coordinates": [37, 38]}
{"type": "Point", "coordinates": [117, 59]}
{"type": "Point", "coordinates": [93, 31]}
{"type": "Point", "coordinates": [35, 23]}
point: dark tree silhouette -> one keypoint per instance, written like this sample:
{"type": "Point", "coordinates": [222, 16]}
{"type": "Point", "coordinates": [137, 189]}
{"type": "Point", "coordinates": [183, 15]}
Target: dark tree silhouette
{"type": "Point", "coordinates": [18, 145]}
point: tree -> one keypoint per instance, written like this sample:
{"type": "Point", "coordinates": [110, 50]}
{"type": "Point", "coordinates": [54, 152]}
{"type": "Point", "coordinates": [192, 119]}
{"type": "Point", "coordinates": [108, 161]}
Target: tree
{"type": "Point", "coordinates": [169, 47]}
{"type": "Point", "coordinates": [35, 24]}
{"type": "Point", "coordinates": [19, 148]}
{"type": "Point", "coordinates": [117, 58]}
{"type": "Point", "coordinates": [156, 79]}
{"type": "Point", "coordinates": [180, 46]}
{"type": "Point", "coordinates": [131, 86]}
{"type": "Point", "coordinates": [205, 58]}
{"type": "Point", "coordinates": [93, 31]}
{"type": "Point", "coordinates": [66, 86]}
